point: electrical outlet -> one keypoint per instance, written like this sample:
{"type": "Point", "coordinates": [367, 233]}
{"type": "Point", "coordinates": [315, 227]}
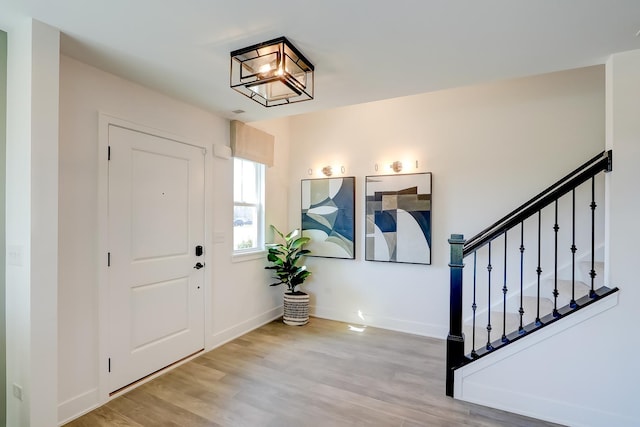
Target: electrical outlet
{"type": "Point", "coordinates": [17, 392]}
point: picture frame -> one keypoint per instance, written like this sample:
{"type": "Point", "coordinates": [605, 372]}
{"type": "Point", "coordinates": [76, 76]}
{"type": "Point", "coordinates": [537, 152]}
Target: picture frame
{"type": "Point", "coordinates": [398, 218]}
{"type": "Point", "coordinates": [328, 216]}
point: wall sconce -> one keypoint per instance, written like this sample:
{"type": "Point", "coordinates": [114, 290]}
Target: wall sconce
{"type": "Point", "coordinates": [272, 73]}
{"type": "Point", "coordinates": [327, 170]}
{"type": "Point", "coordinates": [396, 166]}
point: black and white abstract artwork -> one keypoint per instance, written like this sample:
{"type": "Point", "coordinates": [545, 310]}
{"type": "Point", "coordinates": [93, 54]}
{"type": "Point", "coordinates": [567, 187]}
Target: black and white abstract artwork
{"type": "Point", "coordinates": [398, 218]}
{"type": "Point", "coordinates": [328, 207]}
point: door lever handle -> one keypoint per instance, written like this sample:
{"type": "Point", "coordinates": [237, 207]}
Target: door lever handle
{"type": "Point", "coordinates": [198, 265]}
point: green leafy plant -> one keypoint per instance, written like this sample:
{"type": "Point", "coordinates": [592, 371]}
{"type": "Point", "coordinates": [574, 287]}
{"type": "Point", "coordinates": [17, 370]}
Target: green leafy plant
{"type": "Point", "coordinates": [284, 257]}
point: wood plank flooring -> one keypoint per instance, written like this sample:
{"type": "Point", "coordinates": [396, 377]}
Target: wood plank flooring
{"type": "Point", "coordinates": [321, 374]}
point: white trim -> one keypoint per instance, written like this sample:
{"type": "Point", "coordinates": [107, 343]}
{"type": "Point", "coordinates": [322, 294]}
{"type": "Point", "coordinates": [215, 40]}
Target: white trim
{"type": "Point", "coordinates": [388, 323]}
{"type": "Point", "coordinates": [104, 121]}
{"type": "Point", "coordinates": [260, 180]}
{"type": "Point", "coordinates": [551, 410]}
{"type": "Point", "coordinates": [249, 255]}
{"type": "Point", "coordinates": [77, 406]}
{"type": "Point", "coordinates": [103, 249]}
{"type": "Point", "coordinates": [244, 327]}
{"type": "Point", "coordinates": [208, 247]}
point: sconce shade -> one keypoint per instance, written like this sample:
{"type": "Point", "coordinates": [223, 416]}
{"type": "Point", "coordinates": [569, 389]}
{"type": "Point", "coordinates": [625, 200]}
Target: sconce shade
{"type": "Point", "coordinates": [272, 73]}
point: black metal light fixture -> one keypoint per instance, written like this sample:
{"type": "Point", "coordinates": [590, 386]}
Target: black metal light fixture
{"type": "Point", "coordinates": [272, 73]}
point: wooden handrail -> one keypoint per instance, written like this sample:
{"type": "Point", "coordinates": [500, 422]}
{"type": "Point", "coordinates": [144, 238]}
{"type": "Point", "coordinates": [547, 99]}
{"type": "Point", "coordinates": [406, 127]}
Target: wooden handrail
{"type": "Point", "coordinates": [601, 162]}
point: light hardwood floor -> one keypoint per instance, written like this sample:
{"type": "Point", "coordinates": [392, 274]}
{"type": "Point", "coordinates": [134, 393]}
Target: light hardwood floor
{"type": "Point", "coordinates": [321, 374]}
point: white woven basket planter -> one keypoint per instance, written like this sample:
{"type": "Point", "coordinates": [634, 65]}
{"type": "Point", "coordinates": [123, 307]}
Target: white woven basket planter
{"type": "Point", "coordinates": [296, 308]}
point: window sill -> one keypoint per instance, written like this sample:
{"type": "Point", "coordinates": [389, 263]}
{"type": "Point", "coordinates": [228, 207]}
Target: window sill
{"type": "Point", "coordinates": [249, 255]}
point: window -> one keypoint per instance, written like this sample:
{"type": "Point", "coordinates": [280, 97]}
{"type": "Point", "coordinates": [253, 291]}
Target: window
{"type": "Point", "coordinates": [248, 206]}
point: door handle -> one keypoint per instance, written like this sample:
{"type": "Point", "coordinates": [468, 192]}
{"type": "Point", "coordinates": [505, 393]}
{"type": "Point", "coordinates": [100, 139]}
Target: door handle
{"type": "Point", "coordinates": [198, 265]}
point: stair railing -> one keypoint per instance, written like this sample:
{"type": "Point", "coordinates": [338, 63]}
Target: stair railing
{"type": "Point", "coordinates": [515, 220]}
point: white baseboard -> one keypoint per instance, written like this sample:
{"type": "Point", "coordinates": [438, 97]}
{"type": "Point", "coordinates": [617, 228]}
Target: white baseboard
{"type": "Point", "coordinates": [551, 410]}
{"type": "Point", "coordinates": [77, 406]}
{"type": "Point", "coordinates": [398, 325]}
{"type": "Point", "coordinates": [219, 338]}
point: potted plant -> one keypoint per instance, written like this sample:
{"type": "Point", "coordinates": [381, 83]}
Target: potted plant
{"type": "Point", "coordinates": [284, 257]}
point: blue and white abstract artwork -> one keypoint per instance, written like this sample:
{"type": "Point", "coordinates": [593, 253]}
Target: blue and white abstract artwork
{"type": "Point", "coordinates": [328, 207]}
{"type": "Point", "coordinates": [398, 218]}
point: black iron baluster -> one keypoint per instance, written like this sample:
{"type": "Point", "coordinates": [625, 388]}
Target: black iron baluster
{"type": "Point", "coordinates": [474, 306]}
{"type": "Point", "coordinates": [555, 263]}
{"type": "Point", "coordinates": [538, 270]}
{"type": "Point", "coordinates": [573, 303]}
{"type": "Point", "coordinates": [504, 293]}
{"type": "Point", "coordinates": [592, 292]}
{"type": "Point", "coordinates": [521, 310]}
{"type": "Point", "coordinates": [489, 268]}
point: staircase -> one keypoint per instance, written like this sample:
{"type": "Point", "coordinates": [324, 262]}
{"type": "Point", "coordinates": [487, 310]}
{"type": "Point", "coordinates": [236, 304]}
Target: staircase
{"type": "Point", "coordinates": [531, 268]}
{"type": "Point", "coordinates": [477, 336]}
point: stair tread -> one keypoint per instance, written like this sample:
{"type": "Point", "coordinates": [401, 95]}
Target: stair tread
{"type": "Point", "coordinates": [530, 306]}
{"type": "Point", "coordinates": [584, 269]}
{"type": "Point", "coordinates": [564, 290]}
{"type": "Point", "coordinates": [512, 324]}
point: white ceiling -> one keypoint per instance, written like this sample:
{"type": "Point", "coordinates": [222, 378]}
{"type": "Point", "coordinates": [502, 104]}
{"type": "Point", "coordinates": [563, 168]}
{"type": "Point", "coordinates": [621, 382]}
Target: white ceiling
{"type": "Point", "coordinates": [363, 50]}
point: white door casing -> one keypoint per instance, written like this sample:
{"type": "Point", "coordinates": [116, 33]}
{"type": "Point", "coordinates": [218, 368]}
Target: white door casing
{"type": "Point", "coordinates": [155, 221]}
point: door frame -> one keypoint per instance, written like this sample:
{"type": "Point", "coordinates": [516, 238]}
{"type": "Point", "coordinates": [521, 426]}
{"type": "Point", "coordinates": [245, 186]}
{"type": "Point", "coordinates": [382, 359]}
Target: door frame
{"type": "Point", "coordinates": [104, 121]}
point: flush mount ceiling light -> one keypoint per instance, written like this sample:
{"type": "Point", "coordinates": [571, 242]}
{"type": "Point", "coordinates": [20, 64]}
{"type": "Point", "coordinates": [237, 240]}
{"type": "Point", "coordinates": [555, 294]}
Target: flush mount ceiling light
{"type": "Point", "coordinates": [272, 73]}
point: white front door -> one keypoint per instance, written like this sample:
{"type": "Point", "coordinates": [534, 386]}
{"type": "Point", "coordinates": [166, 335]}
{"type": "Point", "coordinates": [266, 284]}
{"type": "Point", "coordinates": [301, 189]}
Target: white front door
{"type": "Point", "coordinates": [156, 220]}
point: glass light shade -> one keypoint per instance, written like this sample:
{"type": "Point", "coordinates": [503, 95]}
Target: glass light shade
{"type": "Point", "coordinates": [272, 73]}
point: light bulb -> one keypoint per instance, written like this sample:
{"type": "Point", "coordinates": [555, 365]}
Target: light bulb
{"type": "Point", "coordinates": [264, 68]}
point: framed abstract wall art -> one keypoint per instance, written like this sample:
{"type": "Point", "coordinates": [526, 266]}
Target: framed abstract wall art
{"type": "Point", "coordinates": [398, 218]}
{"type": "Point", "coordinates": [328, 208]}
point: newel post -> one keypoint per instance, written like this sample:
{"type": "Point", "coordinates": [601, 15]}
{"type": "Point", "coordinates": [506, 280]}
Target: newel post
{"type": "Point", "coordinates": [455, 339]}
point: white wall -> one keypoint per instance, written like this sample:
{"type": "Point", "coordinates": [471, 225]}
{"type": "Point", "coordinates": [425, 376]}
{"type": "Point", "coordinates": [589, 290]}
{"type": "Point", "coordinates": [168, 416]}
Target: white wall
{"type": "Point", "coordinates": [555, 120]}
{"type": "Point", "coordinates": [588, 375]}
{"type": "Point", "coordinates": [489, 147]}
{"type": "Point", "coordinates": [622, 376]}
{"type": "Point", "coordinates": [31, 218]}
{"type": "Point", "coordinates": [238, 296]}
